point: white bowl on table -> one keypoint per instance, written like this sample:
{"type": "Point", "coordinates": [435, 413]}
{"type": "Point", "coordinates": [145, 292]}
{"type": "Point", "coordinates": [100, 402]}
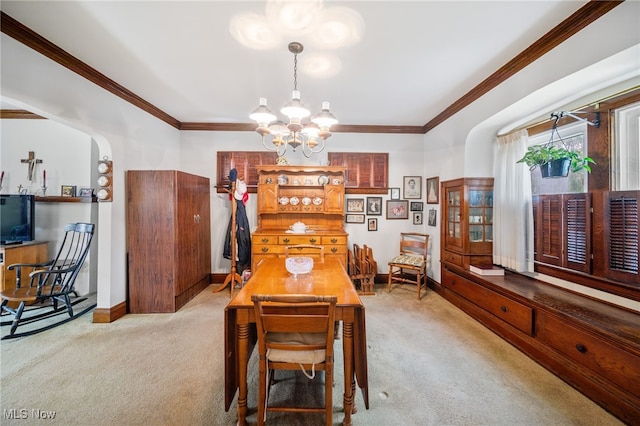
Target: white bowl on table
{"type": "Point", "coordinates": [299, 265]}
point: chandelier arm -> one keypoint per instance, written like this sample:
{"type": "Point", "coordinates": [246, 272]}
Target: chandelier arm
{"type": "Point", "coordinates": [284, 148]}
{"type": "Point", "coordinates": [267, 147]}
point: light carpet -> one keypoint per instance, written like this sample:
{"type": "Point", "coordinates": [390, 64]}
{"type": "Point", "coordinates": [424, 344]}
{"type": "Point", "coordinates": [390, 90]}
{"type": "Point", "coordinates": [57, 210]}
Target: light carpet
{"type": "Point", "coordinates": [429, 364]}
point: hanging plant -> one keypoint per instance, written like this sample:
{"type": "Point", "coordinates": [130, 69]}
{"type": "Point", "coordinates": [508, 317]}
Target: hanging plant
{"type": "Point", "coordinates": [549, 156]}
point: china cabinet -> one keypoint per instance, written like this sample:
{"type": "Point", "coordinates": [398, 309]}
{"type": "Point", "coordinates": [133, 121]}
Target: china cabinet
{"type": "Point", "coordinates": [467, 221]}
{"type": "Point", "coordinates": [313, 195]}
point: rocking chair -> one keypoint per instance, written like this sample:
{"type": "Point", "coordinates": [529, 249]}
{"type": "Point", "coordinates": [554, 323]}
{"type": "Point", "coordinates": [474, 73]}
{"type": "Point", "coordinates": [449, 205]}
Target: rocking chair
{"type": "Point", "coordinates": [50, 283]}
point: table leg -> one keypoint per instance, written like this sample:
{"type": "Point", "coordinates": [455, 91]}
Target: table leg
{"type": "Point", "coordinates": [243, 349]}
{"type": "Point", "coordinates": [349, 383]}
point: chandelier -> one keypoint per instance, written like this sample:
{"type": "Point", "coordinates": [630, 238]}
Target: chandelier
{"type": "Point", "coordinates": [311, 133]}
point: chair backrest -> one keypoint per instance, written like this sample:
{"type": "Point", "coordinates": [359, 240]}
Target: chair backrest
{"type": "Point", "coordinates": [70, 256]}
{"type": "Point", "coordinates": [294, 313]}
{"type": "Point", "coordinates": [310, 250]}
{"type": "Point", "coordinates": [414, 244]}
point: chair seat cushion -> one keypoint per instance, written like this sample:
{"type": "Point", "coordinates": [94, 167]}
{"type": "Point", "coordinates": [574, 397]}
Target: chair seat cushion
{"type": "Point", "coordinates": [299, 357]}
{"type": "Point", "coordinates": [406, 259]}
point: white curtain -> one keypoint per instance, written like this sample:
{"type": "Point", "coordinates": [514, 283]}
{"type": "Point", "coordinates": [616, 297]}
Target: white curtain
{"type": "Point", "coordinates": [513, 213]}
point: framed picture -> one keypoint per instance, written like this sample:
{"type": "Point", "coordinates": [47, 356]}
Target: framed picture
{"type": "Point", "coordinates": [395, 193]}
{"type": "Point", "coordinates": [397, 209]}
{"type": "Point", "coordinates": [374, 206]}
{"type": "Point", "coordinates": [433, 190]}
{"type": "Point", "coordinates": [417, 218]}
{"type": "Point", "coordinates": [416, 206]}
{"type": "Point", "coordinates": [432, 217]}
{"type": "Point", "coordinates": [355, 218]}
{"type": "Point", "coordinates": [86, 192]}
{"type": "Point", "coordinates": [372, 224]}
{"type": "Point", "coordinates": [355, 205]}
{"type": "Point", "coordinates": [412, 187]}
{"type": "Point", "coordinates": [68, 191]}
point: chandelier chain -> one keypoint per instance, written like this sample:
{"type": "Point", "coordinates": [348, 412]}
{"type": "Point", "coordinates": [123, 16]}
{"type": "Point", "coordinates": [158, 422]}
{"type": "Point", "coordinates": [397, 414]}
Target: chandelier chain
{"type": "Point", "coordinates": [295, 71]}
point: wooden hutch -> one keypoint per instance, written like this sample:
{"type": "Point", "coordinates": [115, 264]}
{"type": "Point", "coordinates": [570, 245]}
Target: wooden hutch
{"type": "Point", "coordinates": [313, 195]}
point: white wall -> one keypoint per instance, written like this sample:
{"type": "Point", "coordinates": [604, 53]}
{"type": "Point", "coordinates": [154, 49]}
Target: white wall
{"type": "Point", "coordinates": [406, 152]}
{"type": "Point", "coordinates": [135, 140]}
{"type": "Point", "coordinates": [128, 136]}
{"type": "Point", "coordinates": [67, 166]}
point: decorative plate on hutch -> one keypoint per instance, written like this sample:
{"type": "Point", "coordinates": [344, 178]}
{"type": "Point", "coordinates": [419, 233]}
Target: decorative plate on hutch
{"type": "Point", "coordinates": [323, 179]}
{"type": "Point", "coordinates": [306, 201]}
{"type": "Point", "coordinates": [294, 201]}
{"type": "Point", "coordinates": [317, 201]}
{"type": "Point", "coordinates": [284, 201]}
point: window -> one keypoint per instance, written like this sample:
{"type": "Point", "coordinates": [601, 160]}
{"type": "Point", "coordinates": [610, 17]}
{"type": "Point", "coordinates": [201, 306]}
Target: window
{"type": "Point", "coordinates": [574, 137]}
{"type": "Point", "coordinates": [625, 164]}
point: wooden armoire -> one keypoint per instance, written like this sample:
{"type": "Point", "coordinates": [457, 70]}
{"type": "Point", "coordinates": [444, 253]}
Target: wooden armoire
{"type": "Point", "coordinates": [168, 239]}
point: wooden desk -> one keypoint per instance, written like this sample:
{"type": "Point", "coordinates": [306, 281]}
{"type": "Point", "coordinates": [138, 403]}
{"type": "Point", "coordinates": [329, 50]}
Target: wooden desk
{"type": "Point", "coordinates": [328, 278]}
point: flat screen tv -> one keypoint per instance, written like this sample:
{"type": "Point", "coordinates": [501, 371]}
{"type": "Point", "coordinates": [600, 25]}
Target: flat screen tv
{"type": "Point", "coordinates": [17, 219]}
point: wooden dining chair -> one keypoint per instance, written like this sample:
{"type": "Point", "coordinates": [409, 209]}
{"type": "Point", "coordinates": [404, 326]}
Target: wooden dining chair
{"type": "Point", "coordinates": [295, 331]}
{"type": "Point", "coordinates": [51, 283]}
{"type": "Point", "coordinates": [310, 250]}
{"type": "Point", "coordinates": [410, 266]}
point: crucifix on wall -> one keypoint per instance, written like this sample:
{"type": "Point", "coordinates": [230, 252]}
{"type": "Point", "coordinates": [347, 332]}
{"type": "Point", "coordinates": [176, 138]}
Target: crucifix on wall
{"type": "Point", "coordinates": [31, 161]}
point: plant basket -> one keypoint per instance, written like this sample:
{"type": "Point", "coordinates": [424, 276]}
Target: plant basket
{"type": "Point", "coordinates": [556, 168]}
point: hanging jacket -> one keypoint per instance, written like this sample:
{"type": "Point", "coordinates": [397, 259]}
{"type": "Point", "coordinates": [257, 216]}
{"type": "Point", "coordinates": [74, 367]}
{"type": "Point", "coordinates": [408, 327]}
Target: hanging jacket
{"type": "Point", "coordinates": [243, 238]}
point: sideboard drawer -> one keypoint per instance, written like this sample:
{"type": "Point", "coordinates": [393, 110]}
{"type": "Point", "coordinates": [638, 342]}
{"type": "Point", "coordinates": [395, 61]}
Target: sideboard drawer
{"type": "Point", "coordinates": [614, 363]}
{"type": "Point", "coordinates": [267, 249]}
{"type": "Point", "coordinates": [515, 313]}
{"type": "Point", "coordinates": [292, 239]}
{"type": "Point", "coordinates": [453, 258]}
{"type": "Point", "coordinates": [334, 240]}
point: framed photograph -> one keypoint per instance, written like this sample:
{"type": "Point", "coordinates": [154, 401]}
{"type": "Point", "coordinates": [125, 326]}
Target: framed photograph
{"type": "Point", "coordinates": [395, 193]}
{"type": "Point", "coordinates": [397, 209]}
{"type": "Point", "coordinates": [412, 187]}
{"type": "Point", "coordinates": [432, 217]}
{"type": "Point", "coordinates": [417, 218]}
{"type": "Point", "coordinates": [416, 206]}
{"type": "Point", "coordinates": [433, 190]}
{"type": "Point", "coordinates": [372, 224]}
{"type": "Point", "coordinates": [355, 205]}
{"type": "Point", "coordinates": [86, 192]}
{"type": "Point", "coordinates": [68, 191]}
{"type": "Point", "coordinates": [374, 206]}
{"type": "Point", "coordinates": [355, 218]}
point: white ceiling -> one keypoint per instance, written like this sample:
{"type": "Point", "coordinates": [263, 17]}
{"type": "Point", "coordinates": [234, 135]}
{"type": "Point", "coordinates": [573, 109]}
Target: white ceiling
{"type": "Point", "coordinates": [413, 60]}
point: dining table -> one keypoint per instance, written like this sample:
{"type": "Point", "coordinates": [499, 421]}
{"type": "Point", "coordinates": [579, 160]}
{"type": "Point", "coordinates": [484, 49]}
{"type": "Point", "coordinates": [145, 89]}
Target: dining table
{"type": "Point", "coordinates": [328, 277]}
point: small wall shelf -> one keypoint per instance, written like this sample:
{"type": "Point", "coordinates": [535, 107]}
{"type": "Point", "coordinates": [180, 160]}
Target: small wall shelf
{"type": "Point", "coordinates": [60, 199]}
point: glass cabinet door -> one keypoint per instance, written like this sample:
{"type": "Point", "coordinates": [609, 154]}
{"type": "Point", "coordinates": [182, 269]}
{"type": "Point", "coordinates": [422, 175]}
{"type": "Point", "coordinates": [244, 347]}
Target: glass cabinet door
{"type": "Point", "coordinates": [453, 209]}
{"type": "Point", "coordinates": [480, 216]}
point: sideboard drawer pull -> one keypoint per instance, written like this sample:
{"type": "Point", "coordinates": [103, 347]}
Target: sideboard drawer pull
{"type": "Point", "coordinates": [503, 308]}
{"type": "Point", "coordinates": [265, 240]}
{"type": "Point", "coordinates": [312, 240]}
{"type": "Point", "coordinates": [265, 249]}
{"type": "Point", "coordinates": [581, 348]}
{"type": "Point", "coordinates": [334, 250]}
{"type": "Point", "coordinates": [286, 241]}
{"type": "Point", "coordinates": [334, 240]}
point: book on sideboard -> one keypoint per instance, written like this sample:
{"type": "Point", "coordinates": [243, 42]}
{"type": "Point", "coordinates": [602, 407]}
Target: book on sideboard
{"type": "Point", "coordinates": [486, 270]}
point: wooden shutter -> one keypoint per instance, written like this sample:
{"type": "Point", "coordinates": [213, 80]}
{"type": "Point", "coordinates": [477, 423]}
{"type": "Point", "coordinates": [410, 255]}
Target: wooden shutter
{"type": "Point", "coordinates": [621, 235]}
{"type": "Point", "coordinates": [550, 229]}
{"type": "Point", "coordinates": [577, 231]}
{"type": "Point", "coordinates": [245, 163]}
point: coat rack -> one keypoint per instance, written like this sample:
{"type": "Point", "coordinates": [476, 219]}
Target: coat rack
{"type": "Point", "coordinates": [233, 276]}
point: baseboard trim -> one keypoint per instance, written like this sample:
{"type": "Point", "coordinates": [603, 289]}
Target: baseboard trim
{"type": "Point", "coordinates": [107, 315]}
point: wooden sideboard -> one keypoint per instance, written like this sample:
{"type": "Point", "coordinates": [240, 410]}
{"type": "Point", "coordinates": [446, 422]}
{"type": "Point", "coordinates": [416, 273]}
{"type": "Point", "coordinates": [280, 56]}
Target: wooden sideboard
{"type": "Point", "coordinates": [591, 345]}
{"type": "Point", "coordinates": [313, 195]}
{"type": "Point", "coordinates": [26, 252]}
